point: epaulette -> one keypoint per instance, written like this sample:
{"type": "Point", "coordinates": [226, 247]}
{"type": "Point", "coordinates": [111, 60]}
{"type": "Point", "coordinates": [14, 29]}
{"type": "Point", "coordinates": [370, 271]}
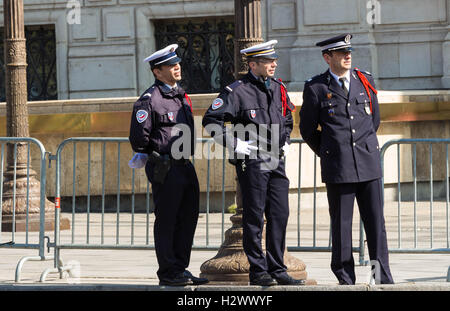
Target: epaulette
{"type": "Point", "coordinates": [233, 85]}
{"type": "Point", "coordinates": [279, 82]}
{"type": "Point", "coordinates": [148, 94]}
{"type": "Point", "coordinates": [365, 72]}
{"type": "Point", "coordinates": [313, 78]}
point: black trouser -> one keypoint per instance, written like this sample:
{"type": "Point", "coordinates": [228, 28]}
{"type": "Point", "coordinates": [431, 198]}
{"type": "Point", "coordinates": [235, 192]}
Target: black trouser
{"type": "Point", "coordinates": [264, 192]}
{"type": "Point", "coordinates": [341, 198]}
{"type": "Point", "coordinates": [176, 214]}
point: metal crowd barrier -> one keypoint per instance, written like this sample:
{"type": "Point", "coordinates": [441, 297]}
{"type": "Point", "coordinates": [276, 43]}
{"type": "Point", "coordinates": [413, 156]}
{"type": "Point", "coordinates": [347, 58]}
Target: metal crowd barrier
{"type": "Point", "coordinates": [111, 227]}
{"type": "Point", "coordinates": [422, 234]}
{"type": "Point", "coordinates": [26, 237]}
{"type": "Point", "coordinates": [106, 223]}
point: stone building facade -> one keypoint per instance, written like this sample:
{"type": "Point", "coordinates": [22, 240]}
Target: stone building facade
{"type": "Point", "coordinates": [100, 44]}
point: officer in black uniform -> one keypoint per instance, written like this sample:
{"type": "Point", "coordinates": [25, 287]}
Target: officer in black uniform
{"type": "Point", "coordinates": [343, 102]}
{"type": "Point", "coordinates": [161, 117]}
{"type": "Point", "coordinates": [261, 104]}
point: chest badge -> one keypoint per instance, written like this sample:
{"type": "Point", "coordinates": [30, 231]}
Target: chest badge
{"type": "Point", "coordinates": [367, 108]}
{"type": "Point", "coordinates": [170, 115]}
{"type": "Point", "coordinates": [253, 113]}
{"type": "Point", "coordinates": [329, 95]}
{"type": "Point", "coordinates": [331, 112]}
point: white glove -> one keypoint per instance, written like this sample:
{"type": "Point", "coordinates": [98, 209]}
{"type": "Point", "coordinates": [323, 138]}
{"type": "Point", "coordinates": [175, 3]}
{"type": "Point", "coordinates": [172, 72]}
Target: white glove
{"type": "Point", "coordinates": [285, 149]}
{"type": "Point", "coordinates": [138, 160]}
{"type": "Point", "coordinates": [244, 147]}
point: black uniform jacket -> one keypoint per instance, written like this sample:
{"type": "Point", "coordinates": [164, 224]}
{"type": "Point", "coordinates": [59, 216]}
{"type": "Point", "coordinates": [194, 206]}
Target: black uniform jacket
{"type": "Point", "coordinates": [154, 117]}
{"type": "Point", "coordinates": [250, 102]}
{"type": "Point", "coordinates": [346, 141]}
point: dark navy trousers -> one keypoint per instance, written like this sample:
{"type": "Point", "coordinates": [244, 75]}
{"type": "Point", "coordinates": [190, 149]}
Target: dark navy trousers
{"type": "Point", "coordinates": [176, 214]}
{"type": "Point", "coordinates": [264, 192]}
{"type": "Point", "coordinates": [341, 198]}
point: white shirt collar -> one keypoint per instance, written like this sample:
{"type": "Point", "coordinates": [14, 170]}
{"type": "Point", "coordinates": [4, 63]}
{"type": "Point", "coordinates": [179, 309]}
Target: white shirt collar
{"type": "Point", "coordinates": [170, 87]}
{"type": "Point", "coordinates": [346, 76]}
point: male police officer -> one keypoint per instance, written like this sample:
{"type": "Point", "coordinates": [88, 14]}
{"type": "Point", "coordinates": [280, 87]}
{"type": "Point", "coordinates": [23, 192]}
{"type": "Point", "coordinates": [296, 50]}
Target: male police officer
{"type": "Point", "coordinates": [154, 131]}
{"type": "Point", "coordinates": [260, 103]}
{"type": "Point", "coordinates": [344, 103]}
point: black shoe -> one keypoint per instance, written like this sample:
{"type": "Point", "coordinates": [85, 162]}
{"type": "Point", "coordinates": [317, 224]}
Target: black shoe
{"type": "Point", "coordinates": [263, 280]}
{"type": "Point", "coordinates": [177, 280]}
{"type": "Point", "coordinates": [342, 282]}
{"type": "Point", "coordinates": [195, 280]}
{"type": "Point", "coordinates": [286, 279]}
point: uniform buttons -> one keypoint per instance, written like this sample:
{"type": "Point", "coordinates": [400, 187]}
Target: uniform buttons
{"type": "Point", "coordinates": [351, 117]}
{"type": "Point", "coordinates": [353, 131]}
{"type": "Point", "coordinates": [354, 144]}
{"type": "Point", "coordinates": [348, 105]}
{"type": "Point", "coordinates": [327, 152]}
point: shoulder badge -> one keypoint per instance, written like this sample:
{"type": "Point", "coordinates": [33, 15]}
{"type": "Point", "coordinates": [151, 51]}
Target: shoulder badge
{"type": "Point", "coordinates": [141, 115]}
{"type": "Point", "coordinates": [217, 103]}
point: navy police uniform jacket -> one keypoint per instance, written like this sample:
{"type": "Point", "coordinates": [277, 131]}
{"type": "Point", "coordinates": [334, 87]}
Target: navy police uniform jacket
{"type": "Point", "coordinates": [154, 117]}
{"type": "Point", "coordinates": [346, 141]}
{"type": "Point", "coordinates": [252, 101]}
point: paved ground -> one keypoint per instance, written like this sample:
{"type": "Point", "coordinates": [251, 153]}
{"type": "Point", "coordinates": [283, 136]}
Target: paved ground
{"type": "Point", "coordinates": [136, 269]}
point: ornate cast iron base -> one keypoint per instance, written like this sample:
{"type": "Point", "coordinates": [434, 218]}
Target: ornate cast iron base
{"type": "Point", "coordinates": [21, 199]}
{"type": "Point", "coordinates": [230, 265]}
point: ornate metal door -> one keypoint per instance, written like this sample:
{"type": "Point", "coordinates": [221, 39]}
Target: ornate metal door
{"type": "Point", "coordinates": [206, 48]}
{"type": "Point", "coordinates": [41, 60]}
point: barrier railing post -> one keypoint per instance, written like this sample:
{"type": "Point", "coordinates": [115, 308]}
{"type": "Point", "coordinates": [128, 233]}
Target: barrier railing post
{"type": "Point", "coordinates": [40, 245]}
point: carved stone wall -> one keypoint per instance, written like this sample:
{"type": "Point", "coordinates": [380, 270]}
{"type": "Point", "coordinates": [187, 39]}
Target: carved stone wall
{"type": "Point", "coordinates": [406, 45]}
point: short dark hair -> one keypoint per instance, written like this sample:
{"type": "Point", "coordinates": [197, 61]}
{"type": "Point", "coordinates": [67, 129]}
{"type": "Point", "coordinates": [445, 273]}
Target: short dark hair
{"type": "Point", "coordinates": [153, 68]}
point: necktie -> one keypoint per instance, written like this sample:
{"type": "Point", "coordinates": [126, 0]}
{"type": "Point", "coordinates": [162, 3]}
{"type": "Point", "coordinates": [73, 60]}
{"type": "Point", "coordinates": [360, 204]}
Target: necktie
{"type": "Point", "coordinates": [342, 80]}
{"type": "Point", "coordinates": [267, 83]}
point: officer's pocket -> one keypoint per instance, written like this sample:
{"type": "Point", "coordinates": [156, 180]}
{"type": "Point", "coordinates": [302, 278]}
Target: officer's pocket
{"type": "Point", "coordinates": [255, 115]}
{"type": "Point", "coordinates": [328, 108]}
{"type": "Point", "coordinates": [363, 103]}
{"type": "Point", "coordinates": [168, 118]}
{"type": "Point", "coordinates": [372, 143]}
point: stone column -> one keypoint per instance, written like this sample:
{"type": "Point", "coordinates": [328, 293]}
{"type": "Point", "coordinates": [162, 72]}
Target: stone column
{"type": "Point", "coordinates": [231, 263]}
{"type": "Point", "coordinates": [247, 23]}
{"type": "Point", "coordinates": [446, 60]}
{"type": "Point", "coordinates": [26, 190]}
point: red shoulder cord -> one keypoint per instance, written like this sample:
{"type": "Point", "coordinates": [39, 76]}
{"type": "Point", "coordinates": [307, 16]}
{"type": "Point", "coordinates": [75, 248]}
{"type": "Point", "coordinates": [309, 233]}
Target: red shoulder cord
{"type": "Point", "coordinates": [284, 103]}
{"type": "Point", "coordinates": [188, 99]}
{"type": "Point", "coordinates": [366, 85]}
